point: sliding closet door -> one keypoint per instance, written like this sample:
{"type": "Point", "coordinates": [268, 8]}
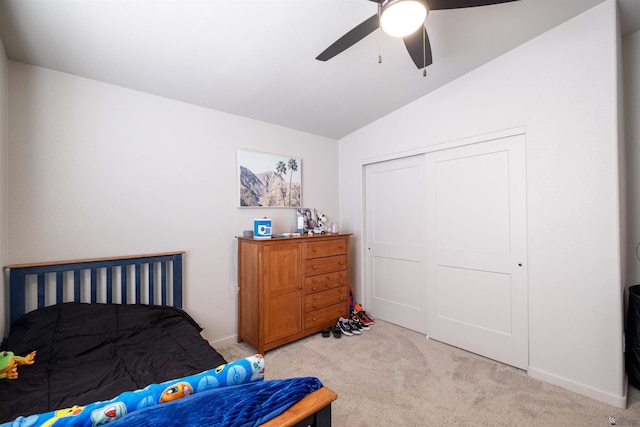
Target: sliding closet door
{"type": "Point", "coordinates": [476, 249]}
{"type": "Point", "coordinates": [395, 229]}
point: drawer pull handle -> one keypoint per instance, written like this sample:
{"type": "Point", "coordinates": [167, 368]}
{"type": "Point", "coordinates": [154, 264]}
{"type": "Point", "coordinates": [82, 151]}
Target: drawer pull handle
{"type": "Point", "coordinates": [314, 288]}
{"type": "Point", "coordinates": [328, 285]}
{"type": "Point", "coordinates": [314, 267]}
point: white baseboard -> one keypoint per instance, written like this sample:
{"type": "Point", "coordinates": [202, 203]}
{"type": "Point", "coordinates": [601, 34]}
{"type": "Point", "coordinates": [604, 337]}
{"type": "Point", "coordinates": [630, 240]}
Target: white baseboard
{"type": "Point", "coordinates": [233, 339]}
{"type": "Point", "coordinates": [585, 390]}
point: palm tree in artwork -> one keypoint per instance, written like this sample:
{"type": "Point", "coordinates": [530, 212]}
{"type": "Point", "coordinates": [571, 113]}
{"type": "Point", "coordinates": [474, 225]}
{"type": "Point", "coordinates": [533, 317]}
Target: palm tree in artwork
{"type": "Point", "coordinates": [293, 167]}
{"type": "Point", "coordinates": [281, 169]}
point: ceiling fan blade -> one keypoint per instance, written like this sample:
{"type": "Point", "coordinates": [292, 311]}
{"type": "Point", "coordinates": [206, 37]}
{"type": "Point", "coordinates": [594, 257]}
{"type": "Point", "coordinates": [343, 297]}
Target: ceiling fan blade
{"type": "Point", "coordinates": [420, 52]}
{"type": "Point", "coordinates": [350, 38]}
{"type": "Point", "coordinates": [459, 4]}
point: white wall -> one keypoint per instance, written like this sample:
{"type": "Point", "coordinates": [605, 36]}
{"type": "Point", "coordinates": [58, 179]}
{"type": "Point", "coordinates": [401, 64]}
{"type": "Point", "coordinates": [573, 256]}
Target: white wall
{"type": "Point", "coordinates": [99, 170]}
{"type": "Point", "coordinates": [561, 87]}
{"type": "Point", "coordinates": [4, 176]}
{"type": "Point", "coordinates": [631, 55]}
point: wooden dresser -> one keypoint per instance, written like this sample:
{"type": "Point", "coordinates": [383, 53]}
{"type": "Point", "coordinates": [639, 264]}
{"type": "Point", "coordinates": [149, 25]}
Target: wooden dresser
{"type": "Point", "coordinates": [290, 288]}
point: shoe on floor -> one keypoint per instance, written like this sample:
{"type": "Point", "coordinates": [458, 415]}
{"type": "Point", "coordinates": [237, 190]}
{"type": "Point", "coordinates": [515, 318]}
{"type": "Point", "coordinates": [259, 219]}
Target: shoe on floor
{"type": "Point", "coordinates": [361, 326]}
{"type": "Point", "coordinates": [364, 318]}
{"type": "Point", "coordinates": [337, 333]}
{"type": "Point", "coordinates": [355, 328]}
{"type": "Point", "coordinates": [344, 326]}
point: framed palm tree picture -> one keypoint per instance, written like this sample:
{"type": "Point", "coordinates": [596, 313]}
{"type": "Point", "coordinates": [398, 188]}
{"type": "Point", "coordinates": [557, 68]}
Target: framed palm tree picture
{"type": "Point", "coordinates": [269, 180]}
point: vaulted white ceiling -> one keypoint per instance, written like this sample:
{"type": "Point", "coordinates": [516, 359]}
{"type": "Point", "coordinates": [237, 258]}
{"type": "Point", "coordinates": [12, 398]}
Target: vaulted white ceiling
{"type": "Point", "coordinates": [256, 58]}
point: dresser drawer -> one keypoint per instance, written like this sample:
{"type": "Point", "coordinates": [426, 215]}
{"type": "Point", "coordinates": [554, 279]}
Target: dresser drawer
{"type": "Point", "coordinates": [325, 317]}
{"type": "Point", "coordinates": [328, 264]}
{"type": "Point", "coordinates": [325, 298]}
{"type": "Point", "coordinates": [325, 281]}
{"type": "Point", "coordinates": [325, 248]}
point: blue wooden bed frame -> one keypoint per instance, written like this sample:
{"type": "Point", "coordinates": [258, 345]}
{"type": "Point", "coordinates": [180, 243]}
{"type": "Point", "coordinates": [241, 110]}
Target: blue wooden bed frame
{"type": "Point", "coordinates": [313, 410]}
{"type": "Point", "coordinates": [170, 291]}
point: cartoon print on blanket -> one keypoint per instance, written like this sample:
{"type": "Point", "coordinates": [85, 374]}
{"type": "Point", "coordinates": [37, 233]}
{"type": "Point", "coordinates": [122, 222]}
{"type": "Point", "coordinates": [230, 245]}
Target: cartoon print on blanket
{"type": "Point", "coordinates": [96, 414]}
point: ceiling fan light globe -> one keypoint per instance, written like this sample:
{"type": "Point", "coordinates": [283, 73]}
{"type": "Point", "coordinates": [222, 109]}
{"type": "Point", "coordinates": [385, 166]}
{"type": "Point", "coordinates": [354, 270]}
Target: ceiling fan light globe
{"type": "Point", "coordinates": [399, 18]}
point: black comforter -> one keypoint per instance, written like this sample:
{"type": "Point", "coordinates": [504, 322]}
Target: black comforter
{"type": "Point", "coordinates": [89, 352]}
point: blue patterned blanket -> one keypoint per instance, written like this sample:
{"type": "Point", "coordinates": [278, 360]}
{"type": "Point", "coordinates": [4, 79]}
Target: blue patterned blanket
{"type": "Point", "coordinates": [237, 392]}
{"type": "Point", "coordinates": [245, 405]}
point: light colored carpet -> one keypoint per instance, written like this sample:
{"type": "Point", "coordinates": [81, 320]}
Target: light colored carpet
{"type": "Point", "coordinates": [391, 376]}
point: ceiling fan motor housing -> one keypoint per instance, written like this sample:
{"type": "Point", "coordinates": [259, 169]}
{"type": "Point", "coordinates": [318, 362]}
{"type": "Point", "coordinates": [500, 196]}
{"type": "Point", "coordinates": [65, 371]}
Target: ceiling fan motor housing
{"type": "Point", "coordinates": [399, 18]}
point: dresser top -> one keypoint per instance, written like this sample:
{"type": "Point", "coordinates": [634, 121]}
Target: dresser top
{"type": "Point", "coordinates": [280, 237]}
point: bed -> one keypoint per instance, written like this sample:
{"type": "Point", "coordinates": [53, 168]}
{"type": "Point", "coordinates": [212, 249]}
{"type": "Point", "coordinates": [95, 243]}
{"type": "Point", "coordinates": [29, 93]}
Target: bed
{"type": "Point", "coordinates": [113, 345]}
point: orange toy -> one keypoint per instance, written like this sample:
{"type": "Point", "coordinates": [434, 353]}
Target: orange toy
{"type": "Point", "coordinates": [9, 363]}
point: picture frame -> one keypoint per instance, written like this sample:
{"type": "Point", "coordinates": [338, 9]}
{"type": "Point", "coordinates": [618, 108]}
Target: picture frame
{"type": "Point", "coordinates": [306, 219]}
{"type": "Point", "coordinates": [269, 180]}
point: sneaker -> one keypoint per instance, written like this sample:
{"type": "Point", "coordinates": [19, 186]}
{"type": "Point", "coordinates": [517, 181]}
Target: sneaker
{"type": "Point", "coordinates": [344, 327]}
{"type": "Point", "coordinates": [359, 324]}
{"type": "Point", "coordinates": [355, 328]}
{"type": "Point", "coordinates": [366, 320]}
{"type": "Point", "coordinates": [337, 333]}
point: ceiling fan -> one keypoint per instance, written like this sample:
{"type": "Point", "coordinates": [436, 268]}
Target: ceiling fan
{"type": "Point", "coordinates": [416, 42]}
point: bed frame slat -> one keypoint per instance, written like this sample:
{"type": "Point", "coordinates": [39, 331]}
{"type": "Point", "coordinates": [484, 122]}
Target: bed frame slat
{"type": "Point", "coordinates": [138, 275]}
{"type": "Point", "coordinates": [76, 286]}
{"type": "Point", "coordinates": [163, 278]}
{"type": "Point", "coordinates": [123, 284]}
{"type": "Point", "coordinates": [109, 285]}
{"type": "Point", "coordinates": [177, 278]}
{"type": "Point", "coordinates": [94, 286]}
{"type": "Point", "coordinates": [19, 277]}
{"type": "Point", "coordinates": [59, 285]}
{"type": "Point", "coordinates": [152, 269]}
{"type": "Point", "coordinates": [40, 289]}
